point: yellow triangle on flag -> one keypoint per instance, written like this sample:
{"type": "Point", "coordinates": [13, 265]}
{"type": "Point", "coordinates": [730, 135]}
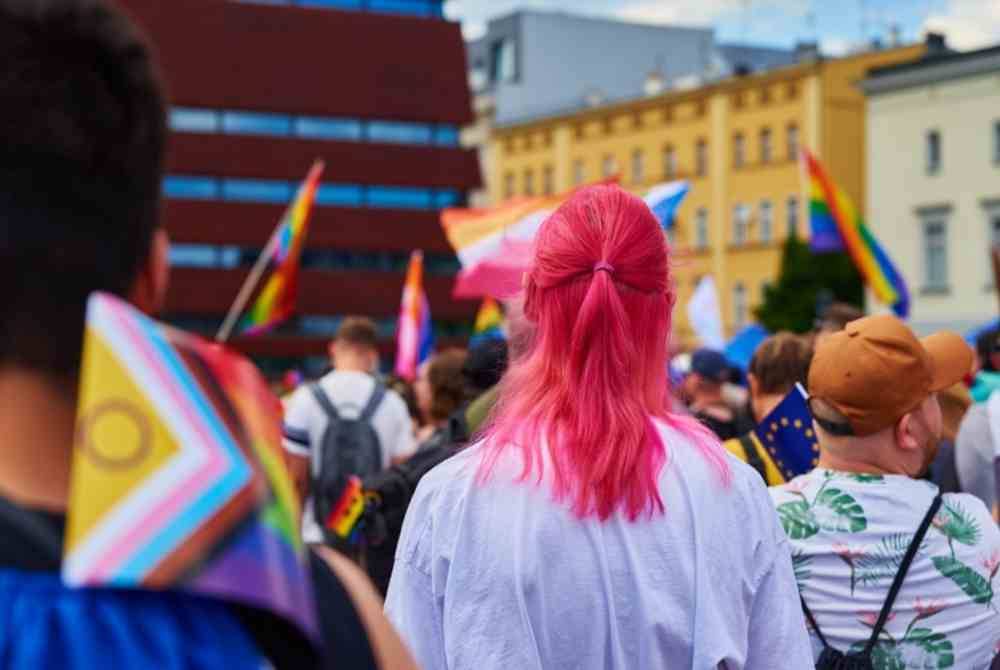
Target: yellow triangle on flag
{"type": "Point", "coordinates": [120, 440]}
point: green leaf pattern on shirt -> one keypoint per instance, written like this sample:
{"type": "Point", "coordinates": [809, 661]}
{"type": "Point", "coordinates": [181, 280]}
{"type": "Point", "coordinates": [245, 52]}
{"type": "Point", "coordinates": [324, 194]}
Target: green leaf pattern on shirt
{"type": "Point", "coordinates": [833, 509]}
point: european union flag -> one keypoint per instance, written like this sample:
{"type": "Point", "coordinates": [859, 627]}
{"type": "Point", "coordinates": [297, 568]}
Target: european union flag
{"type": "Point", "coordinates": [788, 436]}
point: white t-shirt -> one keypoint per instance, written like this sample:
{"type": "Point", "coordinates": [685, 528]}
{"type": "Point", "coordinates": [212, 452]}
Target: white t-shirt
{"type": "Point", "coordinates": [497, 576]}
{"type": "Point", "coordinates": [349, 392]}
{"type": "Point", "coordinates": [849, 533]}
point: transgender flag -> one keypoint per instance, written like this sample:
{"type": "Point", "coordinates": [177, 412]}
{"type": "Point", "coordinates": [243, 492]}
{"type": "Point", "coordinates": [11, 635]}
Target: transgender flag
{"type": "Point", "coordinates": [413, 334]}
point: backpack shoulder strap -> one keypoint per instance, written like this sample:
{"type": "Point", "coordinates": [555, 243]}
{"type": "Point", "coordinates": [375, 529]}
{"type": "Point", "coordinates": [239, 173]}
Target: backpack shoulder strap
{"type": "Point", "coordinates": [323, 400]}
{"type": "Point", "coordinates": [378, 393]}
{"type": "Point", "coordinates": [753, 457]}
{"type": "Point", "coordinates": [904, 567]}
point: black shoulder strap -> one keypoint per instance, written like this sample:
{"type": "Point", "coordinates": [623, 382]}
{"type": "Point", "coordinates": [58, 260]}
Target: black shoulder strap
{"type": "Point", "coordinates": [904, 567]}
{"type": "Point", "coordinates": [753, 457]}
{"type": "Point", "coordinates": [324, 400]}
{"type": "Point", "coordinates": [897, 584]}
{"type": "Point", "coordinates": [378, 393]}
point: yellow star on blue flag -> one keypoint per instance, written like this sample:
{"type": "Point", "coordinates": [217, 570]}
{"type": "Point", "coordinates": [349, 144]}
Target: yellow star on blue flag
{"type": "Point", "coordinates": [787, 435]}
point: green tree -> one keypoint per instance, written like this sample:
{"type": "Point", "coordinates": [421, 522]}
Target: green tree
{"type": "Point", "coordinates": [790, 303]}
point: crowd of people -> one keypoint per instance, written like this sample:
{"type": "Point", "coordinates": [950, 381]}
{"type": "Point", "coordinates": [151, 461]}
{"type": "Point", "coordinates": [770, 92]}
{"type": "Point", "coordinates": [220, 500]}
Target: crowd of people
{"type": "Point", "coordinates": [545, 501]}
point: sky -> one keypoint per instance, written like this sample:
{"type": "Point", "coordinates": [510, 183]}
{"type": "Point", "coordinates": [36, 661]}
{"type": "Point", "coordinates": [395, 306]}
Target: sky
{"type": "Point", "coordinates": [838, 25]}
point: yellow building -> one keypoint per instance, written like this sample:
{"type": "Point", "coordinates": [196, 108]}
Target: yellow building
{"type": "Point", "coordinates": [737, 142]}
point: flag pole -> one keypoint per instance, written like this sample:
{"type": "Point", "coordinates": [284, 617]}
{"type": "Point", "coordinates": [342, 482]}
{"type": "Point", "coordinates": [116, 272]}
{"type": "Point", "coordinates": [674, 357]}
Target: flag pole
{"type": "Point", "coordinates": [262, 261]}
{"type": "Point", "coordinates": [249, 284]}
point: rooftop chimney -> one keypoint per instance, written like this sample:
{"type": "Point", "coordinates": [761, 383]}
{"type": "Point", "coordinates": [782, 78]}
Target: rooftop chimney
{"type": "Point", "coordinates": [654, 84]}
{"type": "Point", "coordinates": [936, 43]}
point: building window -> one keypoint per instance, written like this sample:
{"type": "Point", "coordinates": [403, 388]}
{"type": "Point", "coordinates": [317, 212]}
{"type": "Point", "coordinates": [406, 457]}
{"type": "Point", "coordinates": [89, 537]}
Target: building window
{"type": "Point", "coordinates": [992, 210]}
{"type": "Point", "coordinates": [579, 173]}
{"type": "Point", "coordinates": [700, 108]}
{"type": "Point", "coordinates": [933, 151]}
{"type": "Point", "coordinates": [503, 61]}
{"type": "Point", "coordinates": [548, 180]}
{"type": "Point", "coordinates": [508, 186]}
{"type": "Point", "coordinates": [996, 142]}
{"type": "Point", "coordinates": [579, 132]}
{"type": "Point", "coordinates": [765, 145]}
{"type": "Point", "coordinates": [765, 221]}
{"type": "Point", "coordinates": [701, 158]}
{"type": "Point", "coordinates": [529, 182]}
{"type": "Point", "coordinates": [792, 215]}
{"type": "Point", "coordinates": [668, 114]}
{"type": "Point", "coordinates": [935, 253]}
{"type": "Point", "coordinates": [791, 90]}
{"type": "Point", "coordinates": [669, 161]}
{"type": "Point", "coordinates": [609, 166]}
{"type": "Point", "coordinates": [637, 167]}
{"type": "Point", "coordinates": [739, 151]}
{"type": "Point", "coordinates": [741, 224]}
{"type": "Point", "coordinates": [765, 95]}
{"type": "Point", "coordinates": [701, 229]}
{"type": "Point", "coordinates": [741, 310]}
{"type": "Point", "coordinates": [792, 140]}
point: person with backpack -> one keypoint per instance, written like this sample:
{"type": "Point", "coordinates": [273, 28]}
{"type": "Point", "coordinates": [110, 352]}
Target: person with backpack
{"type": "Point", "coordinates": [591, 528]}
{"type": "Point", "coordinates": [892, 572]}
{"type": "Point", "coordinates": [347, 424]}
{"type": "Point", "coordinates": [83, 135]}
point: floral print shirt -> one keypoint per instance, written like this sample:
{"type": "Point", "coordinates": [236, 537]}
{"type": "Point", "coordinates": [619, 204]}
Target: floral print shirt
{"type": "Point", "coordinates": [849, 533]}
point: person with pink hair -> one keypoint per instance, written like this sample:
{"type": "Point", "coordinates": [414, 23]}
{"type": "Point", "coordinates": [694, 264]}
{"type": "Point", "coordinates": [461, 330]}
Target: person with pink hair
{"type": "Point", "coordinates": [591, 527]}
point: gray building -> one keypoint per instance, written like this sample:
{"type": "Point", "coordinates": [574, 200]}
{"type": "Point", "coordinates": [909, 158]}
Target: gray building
{"type": "Point", "coordinates": [539, 63]}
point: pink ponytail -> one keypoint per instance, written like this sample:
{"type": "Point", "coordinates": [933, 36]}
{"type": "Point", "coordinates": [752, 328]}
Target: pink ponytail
{"type": "Point", "coordinates": [595, 370]}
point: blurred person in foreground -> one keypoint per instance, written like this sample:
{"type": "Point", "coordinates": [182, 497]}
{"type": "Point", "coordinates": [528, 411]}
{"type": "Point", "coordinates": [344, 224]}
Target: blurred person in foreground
{"type": "Point", "coordinates": [780, 362]}
{"type": "Point", "coordinates": [82, 138]}
{"type": "Point", "coordinates": [704, 390]}
{"type": "Point", "coordinates": [887, 562]}
{"type": "Point", "coordinates": [592, 528]}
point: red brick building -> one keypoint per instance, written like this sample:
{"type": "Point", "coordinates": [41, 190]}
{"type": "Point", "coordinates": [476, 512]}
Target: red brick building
{"type": "Point", "coordinates": [376, 88]}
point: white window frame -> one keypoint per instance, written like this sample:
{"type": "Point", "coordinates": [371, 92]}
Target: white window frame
{"type": "Point", "coordinates": [792, 211]}
{"type": "Point", "coordinates": [741, 224]}
{"type": "Point", "coordinates": [933, 151]}
{"type": "Point", "coordinates": [766, 140]}
{"type": "Point", "coordinates": [579, 172]}
{"type": "Point", "coordinates": [702, 236]}
{"type": "Point", "coordinates": [934, 217]}
{"type": "Point", "coordinates": [638, 167]}
{"type": "Point", "coordinates": [766, 218]}
{"type": "Point", "coordinates": [669, 161]}
{"type": "Point", "coordinates": [741, 306]}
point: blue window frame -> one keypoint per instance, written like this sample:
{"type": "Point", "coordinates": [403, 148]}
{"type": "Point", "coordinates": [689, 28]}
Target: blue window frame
{"type": "Point", "coordinates": [256, 190]}
{"type": "Point", "coordinates": [399, 196]}
{"type": "Point", "coordinates": [328, 128]}
{"type": "Point", "coordinates": [398, 132]}
{"type": "Point", "coordinates": [446, 136]}
{"type": "Point", "coordinates": [255, 123]}
{"type": "Point", "coordinates": [191, 120]}
{"type": "Point", "coordinates": [342, 195]}
{"type": "Point", "coordinates": [194, 188]}
{"type": "Point", "coordinates": [447, 198]}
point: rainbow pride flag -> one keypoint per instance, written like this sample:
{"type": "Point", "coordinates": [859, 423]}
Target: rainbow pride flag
{"type": "Point", "coordinates": [489, 322]}
{"type": "Point", "coordinates": [836, 225]}
{"type": "Point", "coordinates": [414, 338]}
{"type": "Point", "coordinates": [494, 245]}
{"type": "Point", "coordinates": [178, 480]}
{"type": "Point", "coordinates": [276, 301]}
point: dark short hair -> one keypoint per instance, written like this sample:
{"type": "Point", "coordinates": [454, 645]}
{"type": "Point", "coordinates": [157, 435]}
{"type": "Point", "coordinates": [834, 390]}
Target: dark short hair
{"type": "Point", "coordinates": [82, 137]}
{"type": "Point", "coordinates": [357, 331]}
{"type": "Point", "coordinates": [987, 344]}
{"type": "Point", "coordinates": [780, 362]}
{"type": "Point", "coordinates": [838, 314]}
{"type": "Point", "coordinates": [448, 389]}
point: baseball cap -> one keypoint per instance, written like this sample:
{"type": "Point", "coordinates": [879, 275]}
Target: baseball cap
{"type": "Point", "coordinates": [876, 370]}
{"type": "Point", "coordinates": [710, 364]}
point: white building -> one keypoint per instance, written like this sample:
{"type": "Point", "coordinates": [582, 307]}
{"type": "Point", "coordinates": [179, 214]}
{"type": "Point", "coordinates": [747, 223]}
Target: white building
{"type": "Point", "coordinates": [933, 175]}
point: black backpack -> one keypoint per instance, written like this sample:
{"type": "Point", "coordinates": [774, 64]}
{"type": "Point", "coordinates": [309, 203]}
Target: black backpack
{"type": "Point", "coordinates": [833, 659]}
{"type": "Point", "coordinates": [349, 447]}
{"type": "Point", "coordinates": [388, 494]}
